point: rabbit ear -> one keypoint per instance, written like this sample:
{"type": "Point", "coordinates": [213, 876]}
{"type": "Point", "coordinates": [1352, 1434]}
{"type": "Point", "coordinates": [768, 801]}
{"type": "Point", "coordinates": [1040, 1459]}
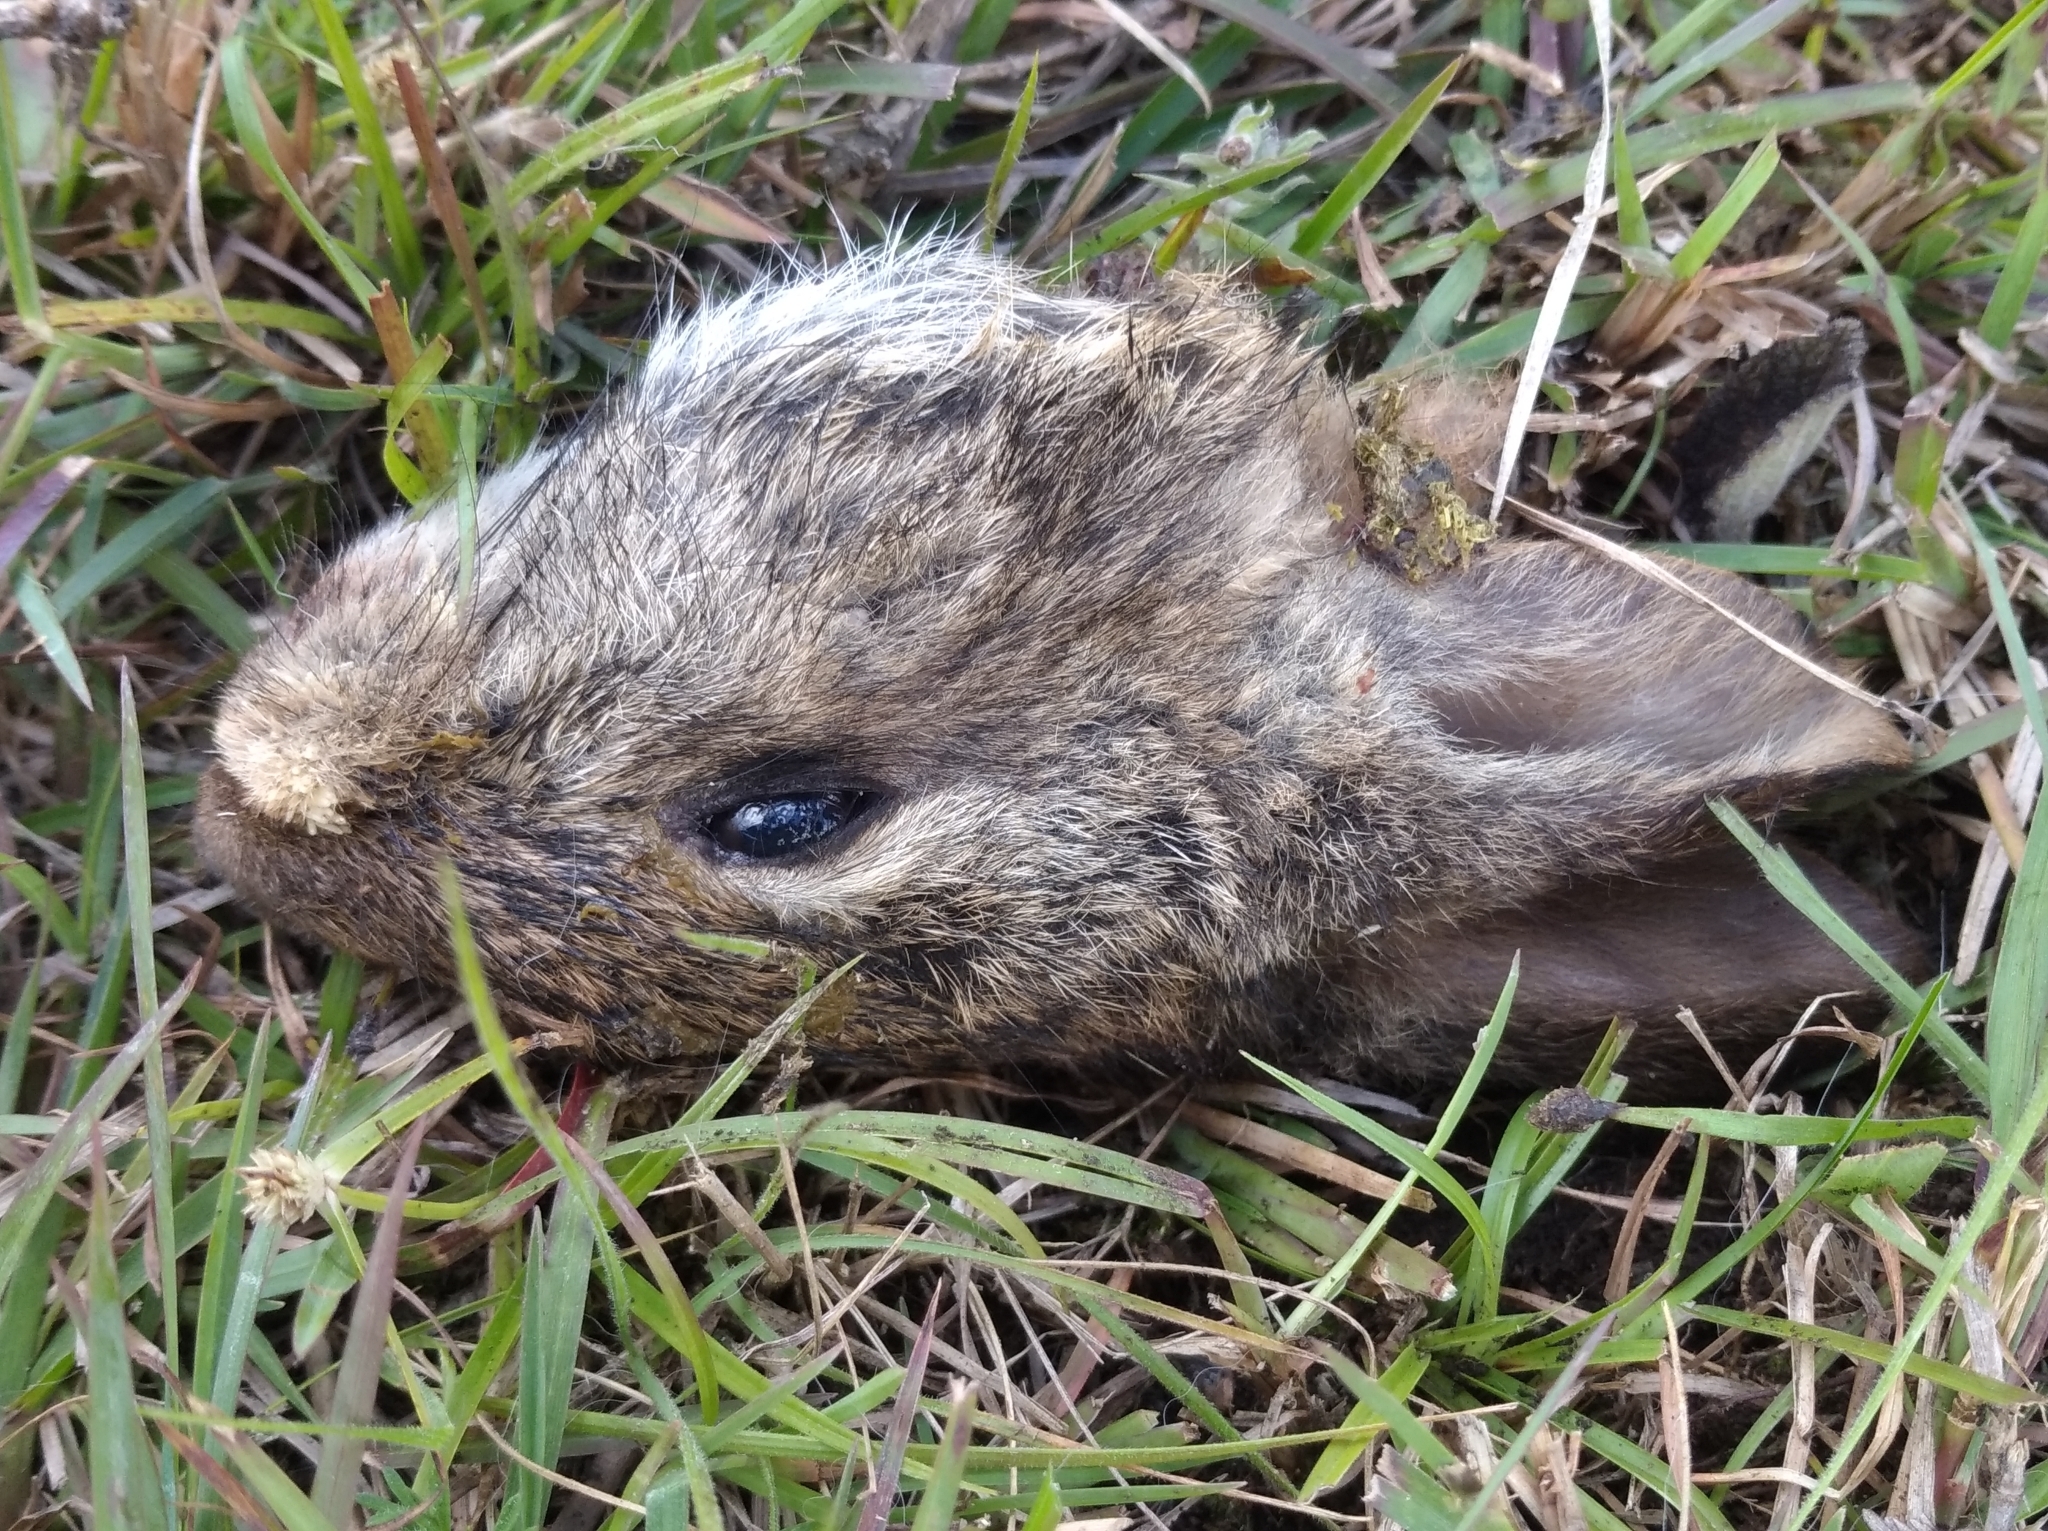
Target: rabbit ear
{"type": "Point", "coordinates": [1543, 648]}
{"type": "Point", "coordinates": [1760, 426]}
{"type": "Point", "coordinates": [1703, 931]}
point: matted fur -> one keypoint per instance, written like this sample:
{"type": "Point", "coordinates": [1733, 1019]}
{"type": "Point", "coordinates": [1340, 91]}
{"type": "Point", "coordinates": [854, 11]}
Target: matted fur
{"type": "Point", "coordinates": [1161, 769]}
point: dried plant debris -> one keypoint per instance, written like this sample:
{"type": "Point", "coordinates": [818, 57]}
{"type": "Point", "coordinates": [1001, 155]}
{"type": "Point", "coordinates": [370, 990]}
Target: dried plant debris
{"type": "Point", "coordinates": [285, 1244]}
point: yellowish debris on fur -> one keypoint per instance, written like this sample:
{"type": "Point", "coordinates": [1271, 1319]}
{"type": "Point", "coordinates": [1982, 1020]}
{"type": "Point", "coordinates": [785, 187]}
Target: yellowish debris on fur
{"type": "Point", "coordinates": [1413, 516]}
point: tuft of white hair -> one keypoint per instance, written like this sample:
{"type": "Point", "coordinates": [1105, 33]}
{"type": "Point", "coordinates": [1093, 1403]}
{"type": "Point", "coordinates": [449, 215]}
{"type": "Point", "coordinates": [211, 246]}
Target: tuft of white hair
{"type": "Point", "coordinates": [902, 306]}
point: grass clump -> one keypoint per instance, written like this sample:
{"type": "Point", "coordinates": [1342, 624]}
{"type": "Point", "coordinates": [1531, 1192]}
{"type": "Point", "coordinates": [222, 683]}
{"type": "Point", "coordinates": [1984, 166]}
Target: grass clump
{"type": "Point", "coordinates": [272, 1254]}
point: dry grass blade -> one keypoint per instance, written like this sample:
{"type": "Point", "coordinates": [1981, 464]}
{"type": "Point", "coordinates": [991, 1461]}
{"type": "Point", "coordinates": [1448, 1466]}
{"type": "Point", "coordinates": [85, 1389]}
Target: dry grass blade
{"type": "Point", "coordinates": [33, 508]}
{"type": "Point", "coordinates": [1622, 1264]}
{"type": "Point", "coordinates": [887, 1468]}
{"type": "Point", "coordinates": [1242, 1132]}
{"type": "Point", "coordinates": [441, 192]}
{"type": "Point", "coordinates": [355, 1386]}
{"type": "Point", "coordinates": [1564, 276]}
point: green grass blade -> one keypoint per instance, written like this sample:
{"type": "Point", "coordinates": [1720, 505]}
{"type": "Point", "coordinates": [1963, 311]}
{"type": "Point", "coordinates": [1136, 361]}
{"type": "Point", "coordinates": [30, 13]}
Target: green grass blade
{"type": "Point", "coordinates": [55, 369]}
{"type": "Point", "coordinates": [1987, 54]}
{"type": "Point", "coordinates": [136, 864]}
{"type": "Point", "coordinates": [279, 1495]}
{"type": "Point", "coordinates": [22, 1318]}
{"type": "Point", "coordinates": [238, 1330]}
{"type": "Point", "coordinates": [1173, 103]}
{"type": "Point", "coordinates": [1554, 1398]}
{"type": "Point", "coordinates": [1692, 258]}
{"type": "Point", "coordinates": [409, 263]}
{"type": "Point", "coordinates": [782, 1029]}
{"type": "Point", "coordinates": [497, 1048]}
{"type": "Point", "coordinates": [1334, 58]}
{"type": "Point", "coordinates": [40, 613]}
{"type": "Point", "coordinates": [1045, 1509]}
{"type": "Point", "coordinates": [224, 1249]}
{"type": "Point", "coordinates": [1453, 293]}
{"type": "Point", "coordinates": [14, 1045]}
{"type": "Point", "coordinates": [2022, 269]}
{"type": "Point", "coordinates": [543, 84]}
{"type": "Point", "coordinates": [1958, 1379]}
{"type": "Point", "coordinates": [1630, 222]}
{"type": "Point", "coordinates": [494, 1346]}
{"type": "Point", "coordinates": [1704, 61]}
{"type": "Point", "coordinates": [937, 1506]}
{"type": "Point", "coordinates": [1504, 24]}
{"type": "Point", "coordinates": [125, 1482]}
{"type": "Point", "coordinates": [1420, 1162]}
{"type": "Point", "coordinates": [668, 113]}
{"type": "Point", "coordinates": [1321, 226]}
{"type": "Point", "coordinates": [338, 993]}
{"type": "Point", "coordinates": [2009, 631]}
{"type": "Point", "coordinates": [1709, 1273]}
{"type": "Point", "coordinates": [15, 237]}
{"type": "Point", "coordinates": [1338, 1458]}
{"type": "Point", "coordinates": [1989, 1206]}
{"type": "Point", "coordinates": [556, 1285]}
{"type": "Point", "coordinates": [22, 1218]}
{"type": "Point", "coordinates": [1691, 28]}
{"type": "Point", "coordinates": [1006, 162]}
{"type": "Point", "coordinates": [578, 109]}
{"type": "Point", "coordinates": [1800, 562]}
{"type": "Point", "coordinates": [355, 1387]}
{"type": "Point", "coordinates": [1704, 133]}
{"type": "Point", "coordinates": [170, 521]}
{"type": "Point", "coordinates": [348, 1149]}
{"type": "Point", "coordinates": [1881, 283]}
{"type": "Point", "coordinates": [1176, 1383]}
{"type": "Point", "coordinates": [643, 1478]}
{"type": "Point", "coordinates": [2016, 70]}
{"type": "Point", "coordinates": [238, 85]}
{"type": "Point", "coordinates": [2018, 1007]}
{"type": "Point", "coordinates": [673, 108]}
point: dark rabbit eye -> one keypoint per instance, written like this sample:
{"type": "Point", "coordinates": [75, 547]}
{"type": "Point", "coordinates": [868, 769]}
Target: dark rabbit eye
{"type": "Point", "coordinates": [768, 827]}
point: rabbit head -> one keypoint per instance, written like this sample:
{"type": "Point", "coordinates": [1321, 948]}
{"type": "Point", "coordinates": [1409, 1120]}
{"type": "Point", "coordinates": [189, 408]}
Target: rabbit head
{"type": "Point", "coordinates": [1011, 640]}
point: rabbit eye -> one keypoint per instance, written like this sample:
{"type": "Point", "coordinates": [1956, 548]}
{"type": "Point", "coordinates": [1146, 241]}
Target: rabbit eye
{"type": "Point", "coordinates": [765, 828]}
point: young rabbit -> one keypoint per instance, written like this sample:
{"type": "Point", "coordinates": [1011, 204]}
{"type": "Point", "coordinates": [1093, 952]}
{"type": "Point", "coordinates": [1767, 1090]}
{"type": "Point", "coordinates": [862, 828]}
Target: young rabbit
{"type": "Point", "coordinates": [1008, 638]}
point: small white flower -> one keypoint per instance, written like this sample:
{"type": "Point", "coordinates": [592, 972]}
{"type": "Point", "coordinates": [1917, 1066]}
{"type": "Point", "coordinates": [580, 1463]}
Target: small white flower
{"type": "Point", "coordinates": [283, 1185]}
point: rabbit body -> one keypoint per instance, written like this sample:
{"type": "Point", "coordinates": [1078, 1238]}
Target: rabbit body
{"type": "Point", "coordinates": [1028, 622]}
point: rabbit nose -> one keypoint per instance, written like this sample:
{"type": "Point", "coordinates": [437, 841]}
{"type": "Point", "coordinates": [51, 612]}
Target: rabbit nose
{"type": "Point", "coordinates": [341, 889]}
{"type": "Point", "coordinates": [221, 824]}
{"type": "Point", "coordinates": [272, 865]}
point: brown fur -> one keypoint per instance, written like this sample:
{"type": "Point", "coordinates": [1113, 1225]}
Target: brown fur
{"type": "Point", "coordinates": [1160, 770]}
